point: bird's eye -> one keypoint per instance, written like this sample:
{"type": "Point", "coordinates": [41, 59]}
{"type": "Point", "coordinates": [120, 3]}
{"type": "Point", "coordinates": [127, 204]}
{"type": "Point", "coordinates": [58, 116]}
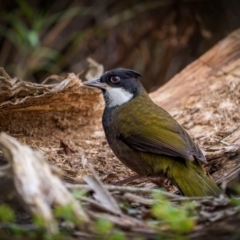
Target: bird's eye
{"type": "Point", "coordinates": [115, 79]}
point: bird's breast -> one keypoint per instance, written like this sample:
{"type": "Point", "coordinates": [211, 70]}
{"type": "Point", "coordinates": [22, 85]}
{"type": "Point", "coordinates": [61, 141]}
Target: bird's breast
{"type": "Point", "coordinates": [128, 156]}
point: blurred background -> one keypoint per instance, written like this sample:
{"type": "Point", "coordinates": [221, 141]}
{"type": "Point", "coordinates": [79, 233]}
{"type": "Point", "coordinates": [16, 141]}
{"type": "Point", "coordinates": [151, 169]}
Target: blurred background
{"type": "Point", "coordinates": [157, 38]}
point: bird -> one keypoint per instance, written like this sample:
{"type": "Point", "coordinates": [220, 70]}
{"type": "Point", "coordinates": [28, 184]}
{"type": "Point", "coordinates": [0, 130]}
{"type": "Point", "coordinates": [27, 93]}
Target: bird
{"type": "Point", "coordinates": [146, 138]}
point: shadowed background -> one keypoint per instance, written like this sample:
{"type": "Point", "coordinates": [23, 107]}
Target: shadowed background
{"type": "Point", "coordinates": [157, 38]}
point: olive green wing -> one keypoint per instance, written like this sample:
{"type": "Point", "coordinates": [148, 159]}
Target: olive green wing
{"type": "Point", "coordinates": [159, 133]}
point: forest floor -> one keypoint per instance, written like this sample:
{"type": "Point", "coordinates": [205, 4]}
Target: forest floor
{"type": "Point", "coordinates": [63, 122]}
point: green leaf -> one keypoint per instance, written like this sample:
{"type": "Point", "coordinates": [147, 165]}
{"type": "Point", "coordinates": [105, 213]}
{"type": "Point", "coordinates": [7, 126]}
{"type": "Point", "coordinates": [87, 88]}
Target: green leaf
{"type": "Point", "coordinates": [117, 235]}
{"type": "Point", "coordinates": [67, 213]}
{"type": "Point", "coordinates": [178, 217]}
{"type": "Point", "coordinates": [39, 221]}
{"type": "Point", "coordinates": [103, 226]}
{"type": "Point", "coordinates": [44, 52]}
{"type": "Point", "coordinates": [26, 8]}
{"type": "Point", "coordinates": [33, 38]}
{"type": "Point", "coordinates": [78, 194]}
{"type": "Point", "coordinates": [6, 214]}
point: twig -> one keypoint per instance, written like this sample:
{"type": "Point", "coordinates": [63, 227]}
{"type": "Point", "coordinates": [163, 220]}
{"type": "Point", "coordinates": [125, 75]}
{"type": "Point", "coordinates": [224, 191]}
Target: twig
{"type": "Point", "coordinates": [55, 77]}
{"type": "Point", "coordinates": [102, 194]}
{"type": "Point", "coordinates": [229, 134]}
{"type": "Point", "coordinates": [98, 205]}
{"type": "Point", "coordinates": [123, 221]}
{"type": "Point", "coordinates": [4, 73]}
{"type": "Point", "coordinates": [84, 235]}
{"type": "Point", "coordinates": [134, 198]}
{"type": "Point", "coordinates": [220, 141]}
{"type": "Point", "coordinates": [127, 180]}
{"type": "Point", "coordinates": [216, 215]}
{"type": "Point", "coordinates": [140, 190]}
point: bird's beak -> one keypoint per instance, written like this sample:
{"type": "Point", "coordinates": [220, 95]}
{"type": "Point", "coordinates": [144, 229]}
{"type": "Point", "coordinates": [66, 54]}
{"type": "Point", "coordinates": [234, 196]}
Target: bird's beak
{"type": "Point", "coordinates": [96, 83]}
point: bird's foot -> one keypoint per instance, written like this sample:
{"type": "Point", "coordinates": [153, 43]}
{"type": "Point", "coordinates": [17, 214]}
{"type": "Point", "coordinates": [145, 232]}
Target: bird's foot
{"type": "Point", "coordinates": [158, 180]}
{"type": "Point", "coordinates": [127, 180]}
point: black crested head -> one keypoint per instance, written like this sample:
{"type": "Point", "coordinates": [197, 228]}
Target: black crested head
{"type": "Point", "coordinates": [123, 73]}
{"type": "Point", "coordinates": [122, 78]}
{"type": "Point", "coordinates": [122, 86]}
{"type": "Point", "coordinates": [118, 86]}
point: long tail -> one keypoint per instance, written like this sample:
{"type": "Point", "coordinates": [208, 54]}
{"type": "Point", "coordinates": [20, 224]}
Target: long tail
{"type": "Point", "coordinates": [193, 181]}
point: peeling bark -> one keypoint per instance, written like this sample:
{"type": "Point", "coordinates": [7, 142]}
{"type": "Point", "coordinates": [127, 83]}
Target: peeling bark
{"type": "Point", "coordinates": [39, 109]}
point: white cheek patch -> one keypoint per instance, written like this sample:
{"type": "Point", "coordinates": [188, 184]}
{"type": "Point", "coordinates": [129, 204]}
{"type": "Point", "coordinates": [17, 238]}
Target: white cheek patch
{"type": "Point", "coordinates": [118, 96]}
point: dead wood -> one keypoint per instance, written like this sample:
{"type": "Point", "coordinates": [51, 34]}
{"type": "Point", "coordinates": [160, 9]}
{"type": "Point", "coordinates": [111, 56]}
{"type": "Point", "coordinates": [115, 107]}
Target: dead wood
{"type": "Point", "coordinates": [39, 109]}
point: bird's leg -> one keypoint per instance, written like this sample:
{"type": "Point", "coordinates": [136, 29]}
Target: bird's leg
{"type": "Point", "coordinates": [127, 180]}
{"type": "Point", "coordinates": [158, 180]}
